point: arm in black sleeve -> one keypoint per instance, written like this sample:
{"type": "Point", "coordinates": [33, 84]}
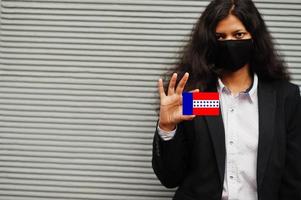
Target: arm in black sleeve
{"type": "Point", "coordinates": [169, 159]}
{"type": "Point", "coordinates": [291, 181]}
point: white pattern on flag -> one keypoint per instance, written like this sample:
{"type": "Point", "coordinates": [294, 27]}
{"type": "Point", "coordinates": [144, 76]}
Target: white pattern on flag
{"type": "Point", "coordinates": [205, 103]}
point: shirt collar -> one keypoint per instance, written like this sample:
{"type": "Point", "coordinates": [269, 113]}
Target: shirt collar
{"type": "Point", "coordinates": [250, 91]}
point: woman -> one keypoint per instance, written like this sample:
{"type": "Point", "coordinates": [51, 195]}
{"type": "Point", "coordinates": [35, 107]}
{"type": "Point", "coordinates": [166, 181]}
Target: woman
{"type": "Point", "coordinates": [253, 149]}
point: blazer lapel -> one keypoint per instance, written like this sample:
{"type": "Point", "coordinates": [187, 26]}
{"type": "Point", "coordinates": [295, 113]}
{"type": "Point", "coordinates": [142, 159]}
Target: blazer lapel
{"type": "Point", "coordinates": [217, 132]}
{"type": "Point", "coordinates": [266, 109]}
{"type": "Point", "coordinates": [216, 129]}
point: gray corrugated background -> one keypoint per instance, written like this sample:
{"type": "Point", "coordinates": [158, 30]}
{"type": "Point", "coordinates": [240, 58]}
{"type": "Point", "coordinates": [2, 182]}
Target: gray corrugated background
{"type": "Point", "coordinates": [78, 91]}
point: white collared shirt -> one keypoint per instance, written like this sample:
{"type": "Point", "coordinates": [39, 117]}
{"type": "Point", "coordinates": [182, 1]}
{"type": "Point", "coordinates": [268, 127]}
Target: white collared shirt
{"type": "Point", "coordinates": [240, 118]}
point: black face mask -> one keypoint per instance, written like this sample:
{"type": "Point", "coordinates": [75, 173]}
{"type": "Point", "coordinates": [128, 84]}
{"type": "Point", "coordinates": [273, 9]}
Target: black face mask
{"type": "Point", "coordinates": [232, 55]}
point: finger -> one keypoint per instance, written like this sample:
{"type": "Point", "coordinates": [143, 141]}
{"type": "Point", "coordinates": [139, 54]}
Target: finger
{"type": "Point", "coordinates": [187, 117]}
{"type": "Point", "coordinates": [182, 84]}
{"type": "Point", "coordinates": [160, 88]}
{"type": "Point", "coordinates": [172, 83]}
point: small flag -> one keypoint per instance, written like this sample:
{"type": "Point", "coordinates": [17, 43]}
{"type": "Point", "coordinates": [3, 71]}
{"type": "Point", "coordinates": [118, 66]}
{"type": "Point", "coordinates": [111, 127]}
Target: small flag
{"type": "Point", "coordinates": [200, 103]}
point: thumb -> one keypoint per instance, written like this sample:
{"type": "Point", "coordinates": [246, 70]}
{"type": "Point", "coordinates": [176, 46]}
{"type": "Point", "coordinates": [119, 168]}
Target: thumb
{"type": "Point", "coordinates": [195, 90]}
{"type": "Point", "coordinates": [187, 117]}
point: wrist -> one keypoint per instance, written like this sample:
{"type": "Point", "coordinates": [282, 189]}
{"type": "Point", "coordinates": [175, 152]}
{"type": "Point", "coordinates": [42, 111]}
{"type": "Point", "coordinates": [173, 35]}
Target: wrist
{"type": "Point", "coordinates": [167, 127]}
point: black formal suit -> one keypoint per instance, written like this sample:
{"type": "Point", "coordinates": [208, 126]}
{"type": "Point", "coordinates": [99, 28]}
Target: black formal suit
{"type": "Point", "coordinates": [194, 160]}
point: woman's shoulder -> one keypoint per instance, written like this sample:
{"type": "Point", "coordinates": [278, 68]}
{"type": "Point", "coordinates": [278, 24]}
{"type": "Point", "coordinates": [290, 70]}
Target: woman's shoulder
{"type": "Point", "coordinates": [283, 87]}
{"type": "Point", "coordinates": [287, 84]}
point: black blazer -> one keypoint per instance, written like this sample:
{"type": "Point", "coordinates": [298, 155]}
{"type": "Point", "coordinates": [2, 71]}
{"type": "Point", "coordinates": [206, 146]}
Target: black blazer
{"type": "Point", "coordinates": [194, 160]}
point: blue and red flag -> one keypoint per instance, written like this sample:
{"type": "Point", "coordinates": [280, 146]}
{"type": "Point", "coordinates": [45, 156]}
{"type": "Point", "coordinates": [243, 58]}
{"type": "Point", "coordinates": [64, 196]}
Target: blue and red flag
{"type": "Point", "coordinates": [200, 103]}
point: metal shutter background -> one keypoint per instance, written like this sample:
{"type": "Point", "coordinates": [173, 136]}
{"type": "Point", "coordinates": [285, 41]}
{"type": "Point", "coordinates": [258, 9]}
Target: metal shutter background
{"type": "Point", "coordinates": [78, 91]}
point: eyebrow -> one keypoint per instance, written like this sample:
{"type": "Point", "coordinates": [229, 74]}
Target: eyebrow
{"type": "Point", "coordinates": [238, 30]}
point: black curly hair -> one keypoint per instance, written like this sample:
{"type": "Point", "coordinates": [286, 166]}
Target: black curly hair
{"type": "Point", "coordinates": [197, 58]}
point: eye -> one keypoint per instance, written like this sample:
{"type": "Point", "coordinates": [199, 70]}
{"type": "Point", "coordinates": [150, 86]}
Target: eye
{"type": "Point", "coordinates": [220, 37]}
{"type": "Point", "coordinates": [239, 35]}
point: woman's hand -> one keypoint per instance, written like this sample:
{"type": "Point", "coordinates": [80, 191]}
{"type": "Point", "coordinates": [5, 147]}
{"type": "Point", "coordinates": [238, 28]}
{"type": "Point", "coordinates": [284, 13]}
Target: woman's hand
{"type": "Point", "coordinates": [171, 104]}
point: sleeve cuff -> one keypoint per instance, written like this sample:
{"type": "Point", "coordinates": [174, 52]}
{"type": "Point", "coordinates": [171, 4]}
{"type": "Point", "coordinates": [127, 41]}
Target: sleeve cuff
{"type": "Point", "coordinates": [166, 135]}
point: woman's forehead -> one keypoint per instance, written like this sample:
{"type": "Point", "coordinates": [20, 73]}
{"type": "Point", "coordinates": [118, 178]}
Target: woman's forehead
{"type": "Point", "coordinates": [230, 24]}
